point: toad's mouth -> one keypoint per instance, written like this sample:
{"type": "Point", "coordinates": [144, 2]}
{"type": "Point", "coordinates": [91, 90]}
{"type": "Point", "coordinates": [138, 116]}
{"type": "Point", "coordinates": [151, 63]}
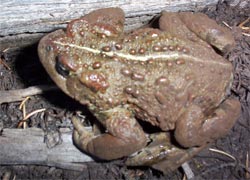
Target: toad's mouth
{"type": "Point", "coordinates": [169, 56]}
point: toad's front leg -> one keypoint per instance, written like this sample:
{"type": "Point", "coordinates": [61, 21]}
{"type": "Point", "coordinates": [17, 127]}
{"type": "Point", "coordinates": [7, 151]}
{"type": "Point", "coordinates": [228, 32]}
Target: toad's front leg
{"type": "Point", "coordinates": [162, 154]}
{"type": "Point", "coordinates": [124, 136]}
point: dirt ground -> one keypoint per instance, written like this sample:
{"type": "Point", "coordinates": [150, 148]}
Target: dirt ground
{"type": "Point", "coordinates": [23, 69]}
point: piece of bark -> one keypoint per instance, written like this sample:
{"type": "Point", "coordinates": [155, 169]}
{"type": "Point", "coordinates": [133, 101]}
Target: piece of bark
{"type": "Point", "coordinates": [26, 146]}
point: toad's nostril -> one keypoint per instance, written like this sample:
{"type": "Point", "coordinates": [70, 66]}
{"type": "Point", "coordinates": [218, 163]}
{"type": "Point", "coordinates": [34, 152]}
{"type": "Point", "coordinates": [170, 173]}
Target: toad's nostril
{"type": "Point", "coordinates": [61, 68]}
{"type": "Point", "coordinates": [48, 48]}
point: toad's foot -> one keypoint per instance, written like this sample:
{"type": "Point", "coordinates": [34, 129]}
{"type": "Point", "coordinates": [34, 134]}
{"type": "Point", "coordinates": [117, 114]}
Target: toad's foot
{"type": "Point", "coordinates": [162, 155]}
{"type": "Point", "coordinates": [124, 136]}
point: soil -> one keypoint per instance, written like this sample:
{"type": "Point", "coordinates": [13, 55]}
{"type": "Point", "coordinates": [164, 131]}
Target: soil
{"type": "Point", "coordinates": [23, 69]}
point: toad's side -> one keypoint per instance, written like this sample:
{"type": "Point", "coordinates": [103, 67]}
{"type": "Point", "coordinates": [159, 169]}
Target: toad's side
{"type": "Point", "coordinates": [169, 77]}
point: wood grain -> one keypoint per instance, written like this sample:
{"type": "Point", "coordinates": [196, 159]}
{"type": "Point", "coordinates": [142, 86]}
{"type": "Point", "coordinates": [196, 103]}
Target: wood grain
{"type": "Point", "coordinates": [27, 146]}
{"type": "Point", "coordinates": [21, 20]}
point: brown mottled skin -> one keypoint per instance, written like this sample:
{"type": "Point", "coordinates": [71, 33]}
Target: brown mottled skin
{"type": "Point", "coordinates": [170, 77]}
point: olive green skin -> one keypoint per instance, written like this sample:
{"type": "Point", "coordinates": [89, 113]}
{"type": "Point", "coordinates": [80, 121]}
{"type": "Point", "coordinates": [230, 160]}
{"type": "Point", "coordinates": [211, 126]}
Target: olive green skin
{"type": "Point", "coordinates": [170, 77]}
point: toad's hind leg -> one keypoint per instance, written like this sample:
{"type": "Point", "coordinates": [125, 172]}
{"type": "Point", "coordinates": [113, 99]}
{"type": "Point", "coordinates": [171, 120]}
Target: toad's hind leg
{"type": "Point", "coordinates": [194, 128]}
{"type": "Point", "coordinates": [208, 30]}
{"type": "Point", "coordinates": [190, 25]}
{"type": "Point", "coordinates": [124, 136]}
{"type": "Point", "coordinates": [193, 131]}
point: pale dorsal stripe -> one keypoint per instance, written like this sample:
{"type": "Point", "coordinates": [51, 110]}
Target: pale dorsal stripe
{"type": "Point", "coordinates": [167, 56]}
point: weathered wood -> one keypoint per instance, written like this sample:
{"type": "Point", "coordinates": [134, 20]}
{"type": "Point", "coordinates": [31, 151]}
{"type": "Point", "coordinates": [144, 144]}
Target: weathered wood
{"type": "Point", "coordinates": [42, 16]}
{"type": "Point", "coordinates": [26, 146]}
{"type": "Point", "coordinates": [26, 17]}
{"type": "Point", "coordinates": [19, 41]}
{"type": "Point", "coordinates": [20, 94]}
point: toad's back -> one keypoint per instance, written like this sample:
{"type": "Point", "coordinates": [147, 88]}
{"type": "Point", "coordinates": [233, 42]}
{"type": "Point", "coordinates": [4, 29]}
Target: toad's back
{"type": "Point", "coordinates": [156, 74]}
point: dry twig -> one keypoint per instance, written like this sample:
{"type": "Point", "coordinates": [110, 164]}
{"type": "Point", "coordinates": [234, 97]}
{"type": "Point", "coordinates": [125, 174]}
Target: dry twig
{"type": "Point", "coordinates": [23, 108]}
{"type": "Point", "coordinates": [247, 166]}
{"type": "Point", "coordinates": [245, 29]}
{"type": "Point", "coordinates": [20, 94]}
{"type": "Point", "coordinates": [23, 121]}
{"type": "Point", "coordinates": [3, 62]}
{"type": "Point", "coordinates": [222, 152]}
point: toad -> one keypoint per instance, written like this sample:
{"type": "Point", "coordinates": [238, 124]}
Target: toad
{"type": "Point", "coordinates": [169, 76]}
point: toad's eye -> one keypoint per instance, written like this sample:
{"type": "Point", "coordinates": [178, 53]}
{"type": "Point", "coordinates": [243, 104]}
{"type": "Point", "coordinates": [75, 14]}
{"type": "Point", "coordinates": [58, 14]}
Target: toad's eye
{"type": "Point", "coordinates": [60, 67]}
{"type": "Point", "coordinates": [65, 64]}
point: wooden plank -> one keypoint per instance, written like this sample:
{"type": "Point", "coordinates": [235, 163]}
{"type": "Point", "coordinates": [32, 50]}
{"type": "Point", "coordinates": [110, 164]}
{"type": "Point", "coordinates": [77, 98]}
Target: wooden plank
{"type": "Point", "coordinates": [27, 146]}
{"type": "Point", "coordinates": [32, 16]}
